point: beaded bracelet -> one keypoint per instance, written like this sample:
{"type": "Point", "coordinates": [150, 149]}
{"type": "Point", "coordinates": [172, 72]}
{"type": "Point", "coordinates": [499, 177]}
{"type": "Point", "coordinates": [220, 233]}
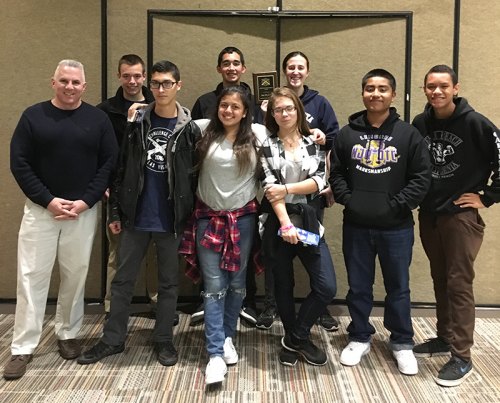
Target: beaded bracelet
{"type": "Point", "coordinates": [286, 228]}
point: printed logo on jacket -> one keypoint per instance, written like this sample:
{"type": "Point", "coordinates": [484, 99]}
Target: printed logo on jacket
{"type": "Point", "coordinates": [157, 149]}
{"type": "Point", "coordinates": [374, 155]}
{"type": "Point", "coordinates": [442, 147]}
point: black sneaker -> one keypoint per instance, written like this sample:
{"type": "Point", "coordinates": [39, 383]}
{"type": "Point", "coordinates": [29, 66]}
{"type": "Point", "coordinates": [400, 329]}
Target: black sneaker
{"type": "Point", "coordinates": [166, 353]}
{"type": "Point", "coordinates": [432, 347]}
{"type": "Point", "coordinates": [153, 308]}
{"type": "Point", "coordinates": [287, 357]}
{"type": "Point", "coordinates": [98, 352]}
{"type": "Point", "coordinates": [311, 353]}
{"type": "Point", "coordinates": [249, 314]}
{"type": "Point", "coordinates": [266, 318]}
{"type": "Point", "coordinates": [197, 316]}
{"type": "Point", "coordinates": [176, 319]}
{"type": "Point", "coordinates": [328, 322]}
{"type": "Point", "coordinates": [454, 372]}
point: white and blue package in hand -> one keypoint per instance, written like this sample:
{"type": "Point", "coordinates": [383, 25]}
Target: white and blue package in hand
{"type": "Point", "coordinates": [306, 237]}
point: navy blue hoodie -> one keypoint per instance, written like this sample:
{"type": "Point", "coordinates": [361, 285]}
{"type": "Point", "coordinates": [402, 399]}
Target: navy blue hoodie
{"type": "Point", "coordinates": [379, 174]}
{"type": "Point", "coordinates": [320, 114]}
{"type": "Point", "coordinates": [465, 154]}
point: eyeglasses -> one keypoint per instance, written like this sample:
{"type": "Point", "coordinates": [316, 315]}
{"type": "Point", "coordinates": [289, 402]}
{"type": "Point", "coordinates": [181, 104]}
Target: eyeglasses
{"type": "Point", "coordinates": [166, 85]}
{"type": "Point", "coordinates": [287, 109]}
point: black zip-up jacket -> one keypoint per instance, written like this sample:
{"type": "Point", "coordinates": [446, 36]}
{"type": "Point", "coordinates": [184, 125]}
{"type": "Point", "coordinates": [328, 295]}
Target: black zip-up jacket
{"type": "Point", "coordinates": [117, 110]}
{"type": "Point", "coordinates": [465, 154]}
{"type": "Point", "coordinates": [379, 174]}
{"type": "Point", "coordinates": [206, 105]}
{"type": "Point", "coordinates": [181, 158]}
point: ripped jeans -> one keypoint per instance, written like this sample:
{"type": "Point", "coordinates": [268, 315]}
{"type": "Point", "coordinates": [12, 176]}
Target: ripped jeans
{"type": "Point", "coordinates": [224, 290]}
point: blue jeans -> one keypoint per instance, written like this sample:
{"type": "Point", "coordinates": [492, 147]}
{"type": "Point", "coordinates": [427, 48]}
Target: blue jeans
{"type": "Point", "coordinates": [394, 249]}
{"type": "Point", "coordinates": [321, 280]}
{"type": "Point", "coordinates": [223, 290]}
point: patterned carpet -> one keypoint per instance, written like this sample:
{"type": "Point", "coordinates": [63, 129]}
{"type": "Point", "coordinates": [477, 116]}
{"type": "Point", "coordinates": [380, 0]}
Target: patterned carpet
{"type": "Point", "coordinates": [135, 375]}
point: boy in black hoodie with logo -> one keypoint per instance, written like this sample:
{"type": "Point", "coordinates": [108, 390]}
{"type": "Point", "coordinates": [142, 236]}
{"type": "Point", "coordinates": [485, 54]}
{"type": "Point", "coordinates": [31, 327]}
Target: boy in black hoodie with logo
{"type": "Point", "coordinates": [464, 148]}
{"type": "Point", "coordinates": [380, 172]}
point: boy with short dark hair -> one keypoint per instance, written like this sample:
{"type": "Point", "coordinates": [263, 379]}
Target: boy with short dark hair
{"type": "Point", "coordinates": [131, 74]}
{"type": "Point", "coordinates": [464, 147]}
{"type": "Point", "coordinates": [380, 172]}
{"type": "Point", "coordinates": [151, 199]}
{"type": "Point", "coordinates": [231, 66]}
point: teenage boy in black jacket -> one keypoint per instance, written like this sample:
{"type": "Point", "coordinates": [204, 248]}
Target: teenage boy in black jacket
{"type": "Point", "coordinates": [464, 148]}
{"type": "Point", "coordinates": [131, 74]}
{"type": "Point", "coordinates": [380, 172]}
{"type": "Point", "coordinates": [151, 199]}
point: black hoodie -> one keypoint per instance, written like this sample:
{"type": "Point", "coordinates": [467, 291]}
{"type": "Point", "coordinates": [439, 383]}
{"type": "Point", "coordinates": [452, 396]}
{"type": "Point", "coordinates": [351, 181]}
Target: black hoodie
{"type": "Point", "coordinates": [320, 114]}
{"type": "Point", "coordinates": [379, 174]}
{"type": "Point", "coordinates": [117, 110]}
{"type": "Point", "coordinates": [206, 105]}
{"type": "Point", "coordinates": [464, 155]}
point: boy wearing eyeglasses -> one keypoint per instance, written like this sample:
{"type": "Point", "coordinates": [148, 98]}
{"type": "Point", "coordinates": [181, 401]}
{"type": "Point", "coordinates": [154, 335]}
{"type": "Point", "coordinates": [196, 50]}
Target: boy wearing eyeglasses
{"type": "Point", "coordinates": [380, 172]}
{"type": "Point", "coordinates": [151, 199]}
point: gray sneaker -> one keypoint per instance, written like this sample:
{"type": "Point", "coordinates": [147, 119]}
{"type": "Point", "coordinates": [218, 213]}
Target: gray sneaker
{"type": "Point", "coordinates": [432, 347]}
{"type": "Point", "coordinates": [454, 372]}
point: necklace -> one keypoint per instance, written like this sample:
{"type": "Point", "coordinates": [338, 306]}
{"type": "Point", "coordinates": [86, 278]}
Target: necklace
{"type": "Point", "coordinates": [291, 143]}
{"type": "Point", "coordinates": [291, 146]}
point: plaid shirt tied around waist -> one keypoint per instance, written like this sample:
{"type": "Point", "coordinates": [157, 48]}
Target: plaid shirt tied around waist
{"type": "Point", "coordinates": [221, 235]}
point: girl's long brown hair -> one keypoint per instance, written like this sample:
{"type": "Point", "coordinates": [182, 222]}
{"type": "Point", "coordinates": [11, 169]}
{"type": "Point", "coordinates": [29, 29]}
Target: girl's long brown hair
{"type": "Point", "coordinates": [244, 145]}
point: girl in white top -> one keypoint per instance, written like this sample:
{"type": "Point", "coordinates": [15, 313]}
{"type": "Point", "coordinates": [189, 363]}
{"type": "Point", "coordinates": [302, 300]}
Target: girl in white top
{"type": "Point", "coordinates": [224, 224]}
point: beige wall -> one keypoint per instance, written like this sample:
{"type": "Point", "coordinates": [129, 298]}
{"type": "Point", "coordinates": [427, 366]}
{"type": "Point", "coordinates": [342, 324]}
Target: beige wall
{"type": "Point", "coordinates": [36, 35]}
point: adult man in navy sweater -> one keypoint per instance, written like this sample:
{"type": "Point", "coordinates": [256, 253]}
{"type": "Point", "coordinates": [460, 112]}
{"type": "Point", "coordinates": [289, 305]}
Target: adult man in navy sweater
{"type": "Point", "coordinates": [62, 155]}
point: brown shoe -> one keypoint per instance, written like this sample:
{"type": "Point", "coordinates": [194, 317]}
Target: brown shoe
{"type": "Point", "coordinates": [69, 349]}
{"type": "Point", "coordinates": [16, 367]}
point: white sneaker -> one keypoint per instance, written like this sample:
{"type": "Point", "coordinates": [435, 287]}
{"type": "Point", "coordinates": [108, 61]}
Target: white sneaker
{"type": "Point", "coordinates": [216, 370]}
{"type": "Point", "coordinates": [352, 353]}
{"type": "Point", "coordinates": [230, 356]}
{"type": "Point", "coordinates": [407, 363]}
